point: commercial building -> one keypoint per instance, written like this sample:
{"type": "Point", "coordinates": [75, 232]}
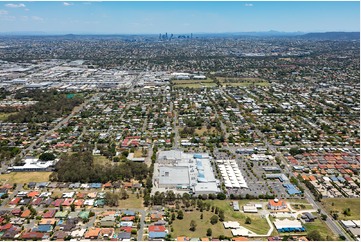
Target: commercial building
{"type": "Point", "coordinates": [186, 171]}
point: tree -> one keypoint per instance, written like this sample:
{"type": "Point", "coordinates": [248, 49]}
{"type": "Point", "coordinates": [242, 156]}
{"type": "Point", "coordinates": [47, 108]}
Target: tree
{"type": "Point", "coordinates": [47, 156]}
{"type": "Point", "coordinates": [214, 219]}
{"type": "Point", "coordinates": [221, 215]}
{"type": "Point", "coordinates": [193, 225]}
{"type": "Point", "coordinates": [173, 216]}
{"type": "Point", "coordinates": [248, 220]}
{"type": "Point", "coordinates": [314, 235]}
{"type": "Point", "coordinates": [61, 208]}
{"type": "Point", "coordinates": [347, 212]}
{"type": "Point", "coordinates": [180, 214]}
{"type": "Point", "coordinates": [72, 207]}
{"type": "Point", "coordinates": [221, 196]}
{"type": "Point", "coordinates": [201, 215]}
{"type": "Point", "coordinates": [324, 216]}
{"type": "Point", "coordinates": [209, 232]}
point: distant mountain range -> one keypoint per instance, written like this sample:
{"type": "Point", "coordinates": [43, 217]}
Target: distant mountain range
{"type": "Point", "coordinates": [271, 33]}
{"type": "Point", "coordinates": [333, 36]}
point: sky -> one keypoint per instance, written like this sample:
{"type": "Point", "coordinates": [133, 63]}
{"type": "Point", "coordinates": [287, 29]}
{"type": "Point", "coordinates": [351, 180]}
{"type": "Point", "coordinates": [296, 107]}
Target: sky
{"type": "Point", "coordinates": [177, 17]}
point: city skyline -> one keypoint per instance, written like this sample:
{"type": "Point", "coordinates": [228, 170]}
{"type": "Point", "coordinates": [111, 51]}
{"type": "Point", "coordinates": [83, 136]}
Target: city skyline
{"type": "Point", "coordinates": [177, 17]}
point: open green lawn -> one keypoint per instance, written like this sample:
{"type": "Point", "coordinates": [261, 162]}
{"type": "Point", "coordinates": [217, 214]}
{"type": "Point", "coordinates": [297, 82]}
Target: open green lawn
{"type": "Point", "coordinates": [258, 225]}
{"type": "Point", "coordinates": [131, 202]}
{"type": "Point", "coordinates": [181, 227]}
{"type": "Point", "coordinates": [299, 204]}
{"type": "Point", "coordinates": [191, 81]}
{"type": "Point", "coordinates": [195, 85]}
{"type": "Point", "coordinates": [102, 160]}
{"type": "Point", "coordinates": [4, 116]}
{"type": "Point", "coordinates": [245, 84]}
{"type": "Point", "coordinates": [242, 82]}
{"type": "Point", "coordinates": [339, 204]}
{"type": "Point", "coordinates": [239, 79]}
{"type": "Point", "coordinates": [25, 177]}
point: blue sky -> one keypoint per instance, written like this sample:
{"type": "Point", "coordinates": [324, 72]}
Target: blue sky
{"type": "Point", "coordinates": [178, 17]}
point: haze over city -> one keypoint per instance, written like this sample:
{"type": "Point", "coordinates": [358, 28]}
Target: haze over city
{"type": "Point", "coordinates": [177, 17]}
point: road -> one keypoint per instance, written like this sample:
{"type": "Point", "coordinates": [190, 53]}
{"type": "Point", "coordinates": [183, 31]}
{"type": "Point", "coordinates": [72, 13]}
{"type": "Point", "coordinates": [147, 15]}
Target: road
{"type": "Point", "coordinates": [336, 229]}
{"type": "Point", "coordinates": [176, 139]}
{"type": "Point", "coordinates": [333, 225]}
{"type": "Point", "coordinates": [49, 132]}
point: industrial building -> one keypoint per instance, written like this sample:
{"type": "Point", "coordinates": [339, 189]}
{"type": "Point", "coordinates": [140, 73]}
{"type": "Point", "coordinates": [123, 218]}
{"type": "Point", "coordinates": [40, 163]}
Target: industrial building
{"type": "Point", "coordinates": [186, 172]}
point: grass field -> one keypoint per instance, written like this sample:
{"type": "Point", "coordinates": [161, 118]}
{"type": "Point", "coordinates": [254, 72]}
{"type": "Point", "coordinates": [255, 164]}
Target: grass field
{"type": "Point", "coordinates": [181, 227]}
{"type": "Point", "coordinates": [299, 204]}
{"type": "Point", "coordinates": [176, 82]}
{"type": "Point", "coordinates": [339, 204]}
{"type": "Point", "coordinates": [321, 226]}
{"type": "Point", "coordinates": [242, 82]}
{"type": "Point", "coordinates": [258, 225]}
{"type": "Point", "coordinates": [25, 177]}
{"type": "Point", "coordinates": [102, 160]}
{"type": "Point", "coordinates": [131, 202]}
{"type": "Point", "coordinates": [196, 85]}
{"type": "Point", "coordinates": [4, 116]}
{"type": "Point", "coordinates": [138, 153]}
{"type": "Point", "coordinates": [245, 84]}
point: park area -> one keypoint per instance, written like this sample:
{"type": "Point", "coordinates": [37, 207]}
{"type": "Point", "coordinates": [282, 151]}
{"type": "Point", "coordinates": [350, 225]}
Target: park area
{"type": "Point", "coordinates": [182, 227]}
{"type": "Point", "coordinates": [257, 224]}
{"type": "Point", "coordinates": [242, 82]}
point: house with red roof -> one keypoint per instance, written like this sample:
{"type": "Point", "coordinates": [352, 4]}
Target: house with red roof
{"type": "Point", "coordinates": [32, 236]}
{"type": "Point", "coordinates": [15, 201]}
{"type": "Point", "coordinates": [33, 194]}
{"type": "Point", "coordinates": [154, 228]}
{"type": "Point", "coordinates": [6, 227]}
{"type": "Point", "coordinates": [49, 214]}
{"type": "Point", "coordinates": [57, 202]}
{"type": "Point", "coordinates": [68, 201]}
{"type": "Point", "coordinates": [37, 201]}
{"type": "Point", "coordinates": [26, 213]}
{"type": "Point", "coordinates": [126, 229]}
{"type": "Point", "coordinates": [16, 212]}
{"type": "Point", "coordinates": [128, 218]}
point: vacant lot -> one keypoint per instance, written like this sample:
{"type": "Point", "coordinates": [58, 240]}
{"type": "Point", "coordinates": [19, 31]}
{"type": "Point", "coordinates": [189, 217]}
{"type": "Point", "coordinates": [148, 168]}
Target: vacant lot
{"type": "Point", "coordinates": [25, 177]}
{"type": "Point", "coordinates": [102, 160]}
{"type": "Point", "coordinates": [340, 204]}
{"type": "Point", "coordinates": [322, 227]}
{"type": "Point", "coordinates": [131, 202]}
{"type": "Point", "coordinates": [201, 131]}
{"type": "Point", "coordinates": [176, 82]}
{"type": "Point", "coordinates": [181, 227]}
